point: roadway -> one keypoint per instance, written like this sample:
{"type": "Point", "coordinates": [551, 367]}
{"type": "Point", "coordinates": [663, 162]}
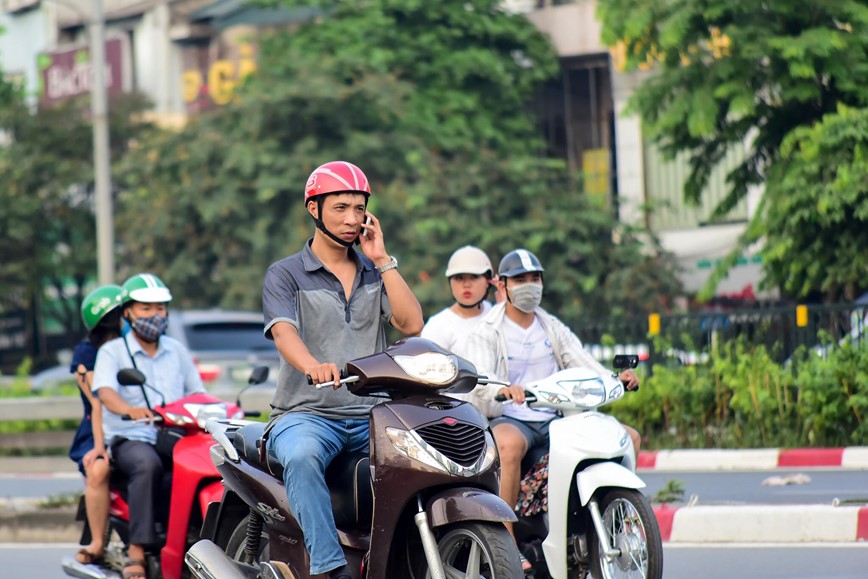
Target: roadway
{"type": "Point", "coordinates": [682, 561]}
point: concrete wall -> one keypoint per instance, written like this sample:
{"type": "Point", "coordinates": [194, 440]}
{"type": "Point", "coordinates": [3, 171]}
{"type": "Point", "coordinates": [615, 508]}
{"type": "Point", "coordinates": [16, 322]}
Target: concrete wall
{"type": "Point", "coordinates": [24, 36]}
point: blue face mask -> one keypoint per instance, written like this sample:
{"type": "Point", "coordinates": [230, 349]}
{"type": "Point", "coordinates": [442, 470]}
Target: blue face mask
{"type": "Point", "coordinates": [125, 327]}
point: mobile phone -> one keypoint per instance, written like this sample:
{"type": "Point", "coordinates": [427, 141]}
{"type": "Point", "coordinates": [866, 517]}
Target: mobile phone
{"type": "Point", "coordinates": [364, 231]}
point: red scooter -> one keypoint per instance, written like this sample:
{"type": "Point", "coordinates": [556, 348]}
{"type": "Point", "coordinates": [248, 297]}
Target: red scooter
{"type": "Point", "coordinates": [192, 484]}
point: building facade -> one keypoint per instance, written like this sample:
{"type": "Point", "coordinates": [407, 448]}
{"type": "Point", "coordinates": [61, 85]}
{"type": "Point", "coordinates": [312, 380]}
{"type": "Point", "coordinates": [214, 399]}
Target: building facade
{"type": "Point", "coordinates": [585, 122]}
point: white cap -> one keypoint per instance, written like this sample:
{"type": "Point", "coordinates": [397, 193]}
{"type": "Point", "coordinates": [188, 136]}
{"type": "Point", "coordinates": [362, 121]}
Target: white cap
{"type": "Point", "coordinates": [468, 259]}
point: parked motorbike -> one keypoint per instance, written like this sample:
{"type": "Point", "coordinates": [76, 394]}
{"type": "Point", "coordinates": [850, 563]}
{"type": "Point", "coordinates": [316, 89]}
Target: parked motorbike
{"type": "Point", "coordinates": [421, 504]}
{"type": "Point", "coordinates": [192, 484]}
{"type": "Point", "coordinates": [597, 520]}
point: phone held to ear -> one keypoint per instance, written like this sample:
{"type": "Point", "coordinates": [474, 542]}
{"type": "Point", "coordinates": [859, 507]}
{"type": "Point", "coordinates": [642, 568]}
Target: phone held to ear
{"type": "Point", "coordinates": [364, 231]}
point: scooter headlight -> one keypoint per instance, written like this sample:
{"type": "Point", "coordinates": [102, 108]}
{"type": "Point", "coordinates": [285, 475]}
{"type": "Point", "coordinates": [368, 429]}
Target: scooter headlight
{"type": "Point", "coordinates": [409, 446]}
{"type": "Point", "coordinates": [586, 393]}
{"type": "Point", "coordinates": [203, 412]}
{"type": "Point", "coordinates": [490, 453]}
{"type": "Point", "coordinates": [430, 367]}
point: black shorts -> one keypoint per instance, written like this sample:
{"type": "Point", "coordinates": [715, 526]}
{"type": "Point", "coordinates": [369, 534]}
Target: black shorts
{"type": "Point", "coordinates": [536, 433]}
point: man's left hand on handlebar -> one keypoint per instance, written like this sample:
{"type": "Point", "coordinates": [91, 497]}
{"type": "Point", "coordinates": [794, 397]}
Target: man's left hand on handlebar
{"type": "Point", "coordinates": [629, 379]}
{"type": "Point", "coordinates": [514, 393]}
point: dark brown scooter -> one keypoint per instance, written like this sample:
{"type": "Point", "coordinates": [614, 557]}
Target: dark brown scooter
{"type": "Point", "coordinates": [422, 504]}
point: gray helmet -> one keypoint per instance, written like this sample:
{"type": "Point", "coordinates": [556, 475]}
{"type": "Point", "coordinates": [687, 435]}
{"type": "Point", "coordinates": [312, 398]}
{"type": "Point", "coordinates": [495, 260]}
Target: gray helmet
{"type": "Point", "coordinates": [517, 262]}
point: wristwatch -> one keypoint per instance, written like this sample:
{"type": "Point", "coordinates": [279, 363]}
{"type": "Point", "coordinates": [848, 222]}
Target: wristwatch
{"type": "Point", "coordinates": [392, 264]}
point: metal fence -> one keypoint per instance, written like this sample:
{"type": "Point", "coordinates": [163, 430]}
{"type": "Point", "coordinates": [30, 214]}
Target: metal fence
{"type": "Point", "coordinates": [692, 338]}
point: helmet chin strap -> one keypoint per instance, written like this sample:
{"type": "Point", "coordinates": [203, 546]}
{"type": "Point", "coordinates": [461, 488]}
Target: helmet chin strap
{"type": "Point", "coordinates": [321, 226]}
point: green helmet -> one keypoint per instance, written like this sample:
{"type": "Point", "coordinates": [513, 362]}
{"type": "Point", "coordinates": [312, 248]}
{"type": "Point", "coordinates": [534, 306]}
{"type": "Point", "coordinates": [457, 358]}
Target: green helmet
{"type": "Point", "coordinates": [146, 288]}
{"type": "Point", "coordinates": [98, 303]}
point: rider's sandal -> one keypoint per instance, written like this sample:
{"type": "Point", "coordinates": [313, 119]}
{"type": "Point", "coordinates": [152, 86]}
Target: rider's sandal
{"type": "Point", "coordinates": [134, 574]}
{"type": "Point", "coordinates": [86, 557]}
{"type": "Point", "coordinates": [526, 567]}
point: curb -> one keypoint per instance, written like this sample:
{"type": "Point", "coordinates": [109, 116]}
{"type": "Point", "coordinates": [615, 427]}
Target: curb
{"type": "Point", "coordinates": [762, 524]}
{"type": "Point", "coordinates": [855, 457]}
{"type": "Point", "coordinates": [25, 521]}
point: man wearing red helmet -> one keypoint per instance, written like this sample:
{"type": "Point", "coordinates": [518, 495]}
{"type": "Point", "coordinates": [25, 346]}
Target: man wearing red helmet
{"type": "Point", "coordinates": [324, 306]}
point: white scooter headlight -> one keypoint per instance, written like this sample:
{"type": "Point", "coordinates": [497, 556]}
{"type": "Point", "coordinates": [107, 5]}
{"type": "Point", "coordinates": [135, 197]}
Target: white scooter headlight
{"type": "Point", "coordinates": [203, 412]}
{"type": "Point", "coordinates": [586, 393]}
{"type": "Point", "coordinates": [430, 367]}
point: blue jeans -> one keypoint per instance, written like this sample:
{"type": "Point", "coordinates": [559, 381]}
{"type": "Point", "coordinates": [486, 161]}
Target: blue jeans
{"type": "Point", "coordinates": [305, 445]}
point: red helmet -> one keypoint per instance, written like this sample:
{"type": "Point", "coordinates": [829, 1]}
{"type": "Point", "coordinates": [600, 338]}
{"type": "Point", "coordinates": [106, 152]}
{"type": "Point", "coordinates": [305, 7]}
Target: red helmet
{"type": "Point", "coordinates": [336, 177]}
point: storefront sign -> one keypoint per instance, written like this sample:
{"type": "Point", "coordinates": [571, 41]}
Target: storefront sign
{"type": "Point", "coordinates": [211, 74]}
{"type": "Point", "coordinates": [68, 73]}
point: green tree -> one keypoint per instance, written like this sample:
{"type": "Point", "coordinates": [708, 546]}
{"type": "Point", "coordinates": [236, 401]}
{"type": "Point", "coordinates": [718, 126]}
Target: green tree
{"type": "Point", "coordinates": [47, 228]}
{"type": "Point", "coordinates": [733, 71]}
{"type": "Point", "coordinates": [209, 207]}
{"type": "Point", "coordinates": [815, 222]}
{"type": "Point", "coordinates": [429, 99]}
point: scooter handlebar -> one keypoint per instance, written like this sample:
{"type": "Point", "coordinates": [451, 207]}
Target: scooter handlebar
{"type": "Point", "coordinates": [528, 397]}
{"type": "Point", "coordinates": [156, 418]}
{"type": "Point", "coordinates": [347, 380]}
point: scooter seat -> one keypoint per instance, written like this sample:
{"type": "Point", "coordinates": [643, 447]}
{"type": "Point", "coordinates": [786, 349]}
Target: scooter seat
{"type": "Point", "coordinates": [348, 477]}
{"type": "Point", "coordinates": [247, 441]}
{"type": "Point", "coordinates": [349, 480]}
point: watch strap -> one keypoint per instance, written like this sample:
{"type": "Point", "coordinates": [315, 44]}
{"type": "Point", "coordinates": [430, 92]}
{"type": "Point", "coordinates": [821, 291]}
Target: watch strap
{"type": "Point", "coordinates": [392, 264]}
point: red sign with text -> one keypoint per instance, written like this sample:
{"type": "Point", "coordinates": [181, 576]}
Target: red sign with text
{"type": "Point", "coordinates": [69, 73]}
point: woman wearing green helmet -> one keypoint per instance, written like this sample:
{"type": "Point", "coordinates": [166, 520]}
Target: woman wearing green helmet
{"type": "Point", "coordinates": [101, 313]}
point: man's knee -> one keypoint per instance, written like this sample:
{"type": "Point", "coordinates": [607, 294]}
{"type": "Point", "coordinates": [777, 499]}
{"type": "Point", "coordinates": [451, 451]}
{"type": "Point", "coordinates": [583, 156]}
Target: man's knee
{"type": "Point", "coordinates": [511, 445]}
{"type": "Point", "coordinates": [147, 465]}
{"type": "Point", "coordinates": [300, 457]}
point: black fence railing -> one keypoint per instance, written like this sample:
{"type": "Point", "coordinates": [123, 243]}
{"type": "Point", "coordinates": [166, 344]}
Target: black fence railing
{"type": "Point", "coordinates": [693, 338]}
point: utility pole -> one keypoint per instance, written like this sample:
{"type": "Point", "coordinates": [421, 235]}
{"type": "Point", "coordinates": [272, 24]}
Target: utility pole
{"type": "Point", "coordinates": [101, 155]}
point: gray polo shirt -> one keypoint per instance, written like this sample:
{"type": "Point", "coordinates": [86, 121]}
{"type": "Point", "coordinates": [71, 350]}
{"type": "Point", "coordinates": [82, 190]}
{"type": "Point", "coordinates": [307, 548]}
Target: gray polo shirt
{"type": "Point", "coordinates": [301, 291]}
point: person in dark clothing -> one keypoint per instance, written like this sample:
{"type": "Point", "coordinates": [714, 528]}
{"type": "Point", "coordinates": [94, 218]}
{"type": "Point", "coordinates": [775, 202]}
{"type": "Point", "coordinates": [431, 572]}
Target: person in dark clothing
{"type": "Point", "coordinates": [100, 311]}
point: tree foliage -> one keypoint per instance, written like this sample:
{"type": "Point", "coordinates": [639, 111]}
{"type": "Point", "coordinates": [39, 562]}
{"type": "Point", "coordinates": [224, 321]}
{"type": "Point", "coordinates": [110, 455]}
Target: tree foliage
{"type": "Point", "coordinates": [209, 207]}
{"type": "Point", "coordinates": [428, 98]}
{"type": "Point", "coordinates": [815, 223]}
{"type": "Point", "coordinates": [733, 71]}
{"type": "Point", "coordinates": [47, 226]}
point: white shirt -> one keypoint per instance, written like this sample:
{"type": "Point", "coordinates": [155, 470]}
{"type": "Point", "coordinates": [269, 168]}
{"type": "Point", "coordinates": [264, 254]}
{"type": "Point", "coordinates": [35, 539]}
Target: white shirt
{"type": "Point", "coordinates": [530, 356]}
{"type": "Point", "coordinates": [447, 329]}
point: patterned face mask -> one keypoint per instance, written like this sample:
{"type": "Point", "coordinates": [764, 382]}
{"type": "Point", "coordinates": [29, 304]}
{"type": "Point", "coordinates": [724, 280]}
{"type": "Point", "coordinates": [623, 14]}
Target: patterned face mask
{"type": "Point", "coordinates": [150, 329]}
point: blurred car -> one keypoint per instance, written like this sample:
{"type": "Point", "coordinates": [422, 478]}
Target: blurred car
{"type": "Point", "coordinates": [226, 345]}
{"type": "Point", "coordinates": [605, 353]}
{"type": "Point", "coordinates": [51, 378]}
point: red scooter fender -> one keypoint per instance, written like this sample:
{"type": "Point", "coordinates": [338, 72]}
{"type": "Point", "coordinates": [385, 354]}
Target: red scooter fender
{"type": "Point", "coordinates": [194, 482]}
{"type": "Point", "coordinates": [467, 504]}
{"type": "Point", "coordinates": [211, 493]}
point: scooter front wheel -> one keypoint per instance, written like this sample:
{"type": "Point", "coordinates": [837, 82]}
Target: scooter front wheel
{"type": "Point", "coordinates": [631, 527]}
{"type": "Point", "coordinates": [478, 550]}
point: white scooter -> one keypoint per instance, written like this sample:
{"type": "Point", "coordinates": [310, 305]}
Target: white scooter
{"type": "Point", "coordinates": [597, 520]}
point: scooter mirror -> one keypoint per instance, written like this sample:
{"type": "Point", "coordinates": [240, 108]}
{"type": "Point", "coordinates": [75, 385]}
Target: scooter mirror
{"type": "Point", "coordinates": [258, 375]}
{"type": "Point", "coordinates": [130, 377]}
{"type": "Point", "coordinates": [625, 361]}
